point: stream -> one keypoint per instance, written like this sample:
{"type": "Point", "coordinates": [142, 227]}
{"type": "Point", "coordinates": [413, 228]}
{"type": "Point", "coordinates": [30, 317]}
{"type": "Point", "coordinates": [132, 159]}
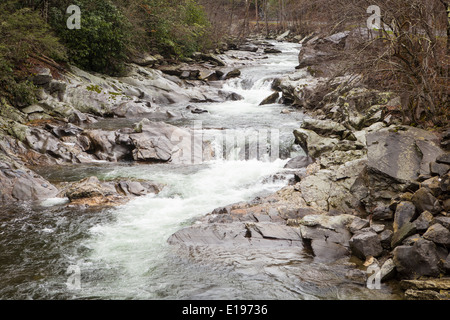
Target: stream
{"type": "Point", "coordinates": [122, 253]}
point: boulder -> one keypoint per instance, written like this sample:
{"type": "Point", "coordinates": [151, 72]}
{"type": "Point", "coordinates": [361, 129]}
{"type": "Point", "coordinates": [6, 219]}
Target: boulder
{"type": "Point", "coordinates": [438, 234]}
{"type": "Point", "coordinates": [393, 154]}
{"type": "Point", "coordinates": [420, 259]}
{"type": "Point", "coordinates": [387, 270]}
{"type": "Point", "coordinates": [424, 200]}
{"type": "Point", "coordinates": [408, 229]}
{"type": "Point", "coordinates": [105, 145]}
{"type": "Point", "coordinates": [299, 162]}
{"type": "Point", "coordinates": [42, 76]}
{"type": "Point", "coordinates": [232, 74]}
{"type": "Point", "coordinates": [327, 128]}
{"type": "Point", "coordinates": [365, 245]}
{"type": "Point", "coordinates": [21, 184]}
{"type": "Point", "coordinates": [405, 212]}
{"type": "Point", "coordinates": [444, 158]}
{"type": "Point", "coordinates": [424, 221]}
{"type": "Point", "coordinates": [273, 98]}
{"type": "Point", "coordinates": [382, 213]}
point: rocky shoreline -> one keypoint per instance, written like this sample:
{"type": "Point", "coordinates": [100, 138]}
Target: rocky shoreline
{"type": "Point", "coordinates": [368, 188]}
{"type": "Point", "coordinates": [377, 190]}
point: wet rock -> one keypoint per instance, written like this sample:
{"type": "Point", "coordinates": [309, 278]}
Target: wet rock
{"type": "Point", "coordinates": [299, 162]}
{"type": "Point", "coordinates": [213, 58]}
{"type": "Point", "coordinates": [158, 141]}
{"type": "Point", "coordinates": [88, 188]}
{"type": "Point", "coordinates": [235, 73]}
{"type": "Point", "coordinates": [273, 98]}
{"type": "Point", "coordinates": [405, 212]}
{"type": "Point", "coordinates": [438, 234]}
{"type": "Point", "coordinates": [332, 229]}
{"type": "Point", "coordinates": [272, 50]}
{"type": "Point", "coordinates": [418, 260]}
{"type": "Point", "coordinates": [20, 184]}
{"type": "Point", "coordinates": [104, 145]}
{"type": "Point", "coordinates": [408, 229]}
{"type": "Point", "coordinates": [447, 264]}
{"type": "Point", "coordinates": [366, 244]}
{"type": "Point", "coordinates": [424, 200]}
{"type": "Point", "coordinates": [230, 96]}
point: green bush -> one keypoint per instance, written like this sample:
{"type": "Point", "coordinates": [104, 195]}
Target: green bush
{"type": "Point", "coordinates": [23, 34]}
{"type": "Point", "coordinates": [101, 44]}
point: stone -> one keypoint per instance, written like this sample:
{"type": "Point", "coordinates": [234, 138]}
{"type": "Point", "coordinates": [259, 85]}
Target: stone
{"type": "Point", "coordinates": [424, 200]}
{"type": "Point", "coordinates": [324, 127]}
{"type": "Point", "coordinates": [438, 234]}
{"type": "Point", "coordinates": [445, 183]}
{"type": "Point", "coordinates": [424, 221]}
{"type": "Point", "coordinates": [358, 224]}
{"type": "Point", "coordinates": [393, 154]}
{"type": "Point", "coordinates": [429, 295]}
{"type": "Point", "coordinates": [408, 229]}
{"type": "Point", "coordinates": [431, 284]}
{"type": "Point", "coordinates": [387, 270]}
{"type": "Point", "coordinates": [382, 213]}
{"type": "Point", "coordinates": [386, 239]}
{"type": "Point", "coordinates": [42, 76]}
{"type": "Point", "coordinates": [105, 146]}
{"type": "Point", "coordinates": [447, 264]}
{"type": "Point", "coordinates": [273, 98]}
{"type": "Point", "coordinates": [87, 188]}
{"type": "Point", "coordinates": [299, 162]}
{"type": "Point", "coordinates": [418, 260]}
{"type": "Point", "coordinates": [232, 74]}
{"type": "Point", "coordinates": [433, 184]}
{"type": "Point", "coordinates": [443, 220]}
{"type": "Point", "coordinates": [367, 244]}
{"type": "Point", "coordinates": [21, 184]}
{"type": "Point", "coordinates": [272, 50]}
{"type": "Point", "coordinates": [313, 144]}
{"type": "Point", "coordinates": [439, 169]}
{"type": "Point", "coordinates": [444, 159]}
{"type": "Point", "coordinates": [405, 212]}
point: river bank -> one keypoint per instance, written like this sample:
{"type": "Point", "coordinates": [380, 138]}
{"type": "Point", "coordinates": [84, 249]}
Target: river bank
{"type": "Point", "coordinates": [301, 241]}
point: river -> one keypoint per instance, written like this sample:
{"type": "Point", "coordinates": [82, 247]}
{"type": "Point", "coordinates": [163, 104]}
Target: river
{"type": "Point", "coordinates": [122, 253]}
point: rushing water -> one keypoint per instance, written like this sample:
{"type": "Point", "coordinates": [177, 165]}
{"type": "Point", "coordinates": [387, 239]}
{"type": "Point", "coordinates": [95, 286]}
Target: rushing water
{"type": "Point", "coordinates": [122, 253]}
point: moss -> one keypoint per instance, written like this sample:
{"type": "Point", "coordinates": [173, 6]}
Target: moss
{"type": "Point", "coordinates": [94, 88]}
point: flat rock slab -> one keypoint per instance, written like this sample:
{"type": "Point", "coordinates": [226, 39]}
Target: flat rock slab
{"type": "Point", "coordinates": [237, 235]}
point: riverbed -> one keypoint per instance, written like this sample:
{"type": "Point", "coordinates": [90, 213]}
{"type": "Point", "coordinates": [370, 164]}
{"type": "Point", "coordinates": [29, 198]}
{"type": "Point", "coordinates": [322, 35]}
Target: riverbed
{"type": "Point", "coordinates": [52, 250]}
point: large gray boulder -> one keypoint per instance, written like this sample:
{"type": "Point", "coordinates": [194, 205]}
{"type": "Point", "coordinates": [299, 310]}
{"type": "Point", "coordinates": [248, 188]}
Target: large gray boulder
{"type": "Point", "coordinates": [20, 184]}
{"type": "Point", "coordinates": [365, 245]}
{"type": "Point", "coordinates": [420, 259]}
